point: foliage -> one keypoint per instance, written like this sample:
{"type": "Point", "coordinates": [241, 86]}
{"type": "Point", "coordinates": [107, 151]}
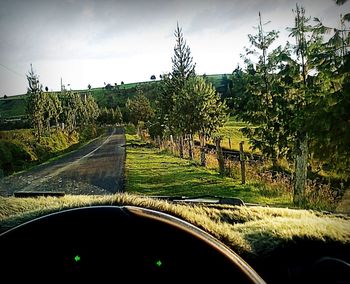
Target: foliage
{"type": "Point", "coordinates": [139, 109]}
{"type": "Point", "coordinates": [183, 66]}
{"type": "Point", "coordinates": [186, 104]}
{"type": "Point", "coordinates": [296, 96]}
{"type": "Point", "coordinates": [13, 157]}
{"type": "Point", "coordinates": [198, 108]}
{"type": "Point", "coordinates": [257, 98]}
{"type": "Point", "coordinates": [110, 116]}
{"type": "Point", "coordinates": [36, 102]}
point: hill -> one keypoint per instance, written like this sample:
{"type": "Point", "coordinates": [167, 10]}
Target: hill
{"type": "Point", "coordinates": [14, 107]}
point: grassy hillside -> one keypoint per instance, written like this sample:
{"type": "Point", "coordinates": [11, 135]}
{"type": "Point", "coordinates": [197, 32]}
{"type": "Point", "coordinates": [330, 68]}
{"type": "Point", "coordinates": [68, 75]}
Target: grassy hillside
{"type": "Point", "coordinates": [12, 107]}
{"type": "Point", "coordinates": [15, 106]}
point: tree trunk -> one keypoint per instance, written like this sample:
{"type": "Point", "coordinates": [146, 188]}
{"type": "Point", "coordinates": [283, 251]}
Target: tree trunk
{"type": "Point", "coordinates": [242, 160]}
{"type": "Point", "coordinates": [202, 149]}
{"type": "Point", "coordinates": [300, 172]}
{"type": "Point", "coordinates": [220, 156]}
{"type": "Point", "coordinates": [181, 148]}
{"type": "Point", "coordinates": [158, 141]}
{"type": "Point", "coordinates": [190, 146]}
{"type": "Point", "coordinates": [57, 126]}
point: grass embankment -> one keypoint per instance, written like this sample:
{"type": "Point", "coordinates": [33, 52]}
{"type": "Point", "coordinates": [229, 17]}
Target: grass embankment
{"type": "Point", "coordinates": [153, 172]}
{"type": "Point", "coordinates": [20, 150]}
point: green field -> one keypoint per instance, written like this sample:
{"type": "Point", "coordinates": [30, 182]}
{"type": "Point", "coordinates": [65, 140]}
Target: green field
{"type": "Point", "coordinates": [232, 135]}
{"type": "Point", "coordinates": [153, 172]}
{"type": "Point", "coordinates": [12, 107]}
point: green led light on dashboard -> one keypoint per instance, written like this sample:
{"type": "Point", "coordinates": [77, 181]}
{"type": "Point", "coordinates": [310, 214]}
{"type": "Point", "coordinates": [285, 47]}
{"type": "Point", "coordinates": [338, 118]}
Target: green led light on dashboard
{"type": "Point", "coordinates": [159, 263]}
{"type": "Point", "coordinates": [77, 258]}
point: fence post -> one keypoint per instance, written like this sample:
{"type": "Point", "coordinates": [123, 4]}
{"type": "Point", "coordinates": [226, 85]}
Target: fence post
{"type": "Point", "coordinates": [242, 160]}
{"type": "Point", "coordinates": [220, 156]}
{"type": "Point", "coordinates": [190, 146]}
{"type": "Point", "coordinates": [172, 144]}
{"type": "Point", "coordinates": [202, 150]}
{"type": "Point", "coordinates": [181, 148]}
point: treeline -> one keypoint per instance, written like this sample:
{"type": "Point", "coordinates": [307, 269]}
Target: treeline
{"type": "Point", "coordinates": [296, 98]}
{"type": "Point", "coordinates": [66, 110]}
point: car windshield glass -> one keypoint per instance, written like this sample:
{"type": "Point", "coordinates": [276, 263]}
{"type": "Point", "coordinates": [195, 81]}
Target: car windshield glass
{"type": "Point", "coordinates": [231, 115]}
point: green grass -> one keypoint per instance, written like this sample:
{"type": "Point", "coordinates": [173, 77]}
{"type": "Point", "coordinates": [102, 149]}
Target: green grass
{"type": "Point", "coordinates": [151, 172]}
{"type": "Point", "coordinates": [13, 107]}
{"type": "Point", "coordinates": [232, 130]}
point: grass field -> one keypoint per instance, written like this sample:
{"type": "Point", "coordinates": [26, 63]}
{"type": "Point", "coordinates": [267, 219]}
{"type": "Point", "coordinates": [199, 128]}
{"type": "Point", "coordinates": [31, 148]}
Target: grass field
{"type": "Point", "coordinates": [12, 107]}
{"type": "Point", "coordinates": [232, 135]}
{"type": "Point", "coordinates": [153, 172]}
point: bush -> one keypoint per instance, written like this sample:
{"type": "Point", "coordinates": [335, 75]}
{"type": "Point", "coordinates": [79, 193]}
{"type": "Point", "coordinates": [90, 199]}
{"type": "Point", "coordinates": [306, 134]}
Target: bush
{"type": "Point", "coordinates": [13, 158]}
{"type": "Point", "coordinates": [130, 129]}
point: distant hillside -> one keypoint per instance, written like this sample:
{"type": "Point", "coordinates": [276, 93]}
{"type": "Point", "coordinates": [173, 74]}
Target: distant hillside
{"type": "Point", "coordinates": [109, 96]}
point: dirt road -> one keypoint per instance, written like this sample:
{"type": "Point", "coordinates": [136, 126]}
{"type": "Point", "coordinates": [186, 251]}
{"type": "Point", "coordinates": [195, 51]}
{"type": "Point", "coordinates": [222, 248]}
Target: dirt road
{"type": "Point", "coordinates": [97, 168]}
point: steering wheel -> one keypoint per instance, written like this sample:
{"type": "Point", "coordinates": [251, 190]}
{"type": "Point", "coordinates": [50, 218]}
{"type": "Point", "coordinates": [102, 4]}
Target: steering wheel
{"type": "Point", "coordinates": [111, 243]}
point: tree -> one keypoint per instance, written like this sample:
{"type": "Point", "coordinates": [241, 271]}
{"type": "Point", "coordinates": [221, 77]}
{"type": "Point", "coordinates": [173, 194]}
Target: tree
{"type": "Point", "coordinates": [199, 110]}
{"type": "Point", "coordinates": [36, 102]}
{"type": "Point", "coordinates": [89, 87]}
{"type": "Point", "coordinates": [171, 86]}
{"type": "Point", "coordinates": [56, 108]}
{"type": "Point", "coordinates": [258, 105]}
{"type": "Point", "coordinates": [118, 116]}
{"type": "Point", "coordinates": [73, 111]}
{"type": "Point", "coordinates": [306, 44]}
{"type": "Point", "coordinates": [328, 117]}
{"type": "Point", "coordinates": [183, 66]}
{"type": "Point", "coordinates": [46, 89]}
{"type": "Point", "coordinates": [91, 110]}
{"type": "Point", "coordinates": [140, 109]}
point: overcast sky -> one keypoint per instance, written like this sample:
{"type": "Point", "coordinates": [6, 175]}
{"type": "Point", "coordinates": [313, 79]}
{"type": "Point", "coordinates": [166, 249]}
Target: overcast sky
{"type": "Point", "coordinates": [96, 41]}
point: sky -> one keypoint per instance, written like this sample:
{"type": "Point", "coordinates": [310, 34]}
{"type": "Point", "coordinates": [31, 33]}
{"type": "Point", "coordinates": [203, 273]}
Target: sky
{"type": "Point", "coordinates": [109, 41]}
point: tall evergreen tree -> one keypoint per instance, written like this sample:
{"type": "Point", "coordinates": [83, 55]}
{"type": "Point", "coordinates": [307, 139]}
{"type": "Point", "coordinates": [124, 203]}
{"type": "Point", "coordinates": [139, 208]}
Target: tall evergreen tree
{"type": "Point", "coordinates": [183, 66]}
{"type": "Point", "coordinates": [36, 102]}
{"type": "Point", "coordinates": [172, 84]}
{"type": "Point", "coordinates": [258, 103]}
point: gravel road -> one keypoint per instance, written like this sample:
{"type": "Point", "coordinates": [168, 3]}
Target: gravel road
{"type": "Point", "coordinates": [97, 168]}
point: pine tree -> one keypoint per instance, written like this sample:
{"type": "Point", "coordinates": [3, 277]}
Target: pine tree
{"type": "Point", "coordinates": [36, 102]}
{"type": "Point", "coordinates": [183, 66]}
{"type": "Point", "coordinates": [257, 102]}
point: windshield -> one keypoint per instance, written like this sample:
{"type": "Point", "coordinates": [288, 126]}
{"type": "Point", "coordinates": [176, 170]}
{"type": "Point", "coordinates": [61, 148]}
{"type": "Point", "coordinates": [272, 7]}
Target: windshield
{"type": "Point", "coordinates": [232, 112]}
